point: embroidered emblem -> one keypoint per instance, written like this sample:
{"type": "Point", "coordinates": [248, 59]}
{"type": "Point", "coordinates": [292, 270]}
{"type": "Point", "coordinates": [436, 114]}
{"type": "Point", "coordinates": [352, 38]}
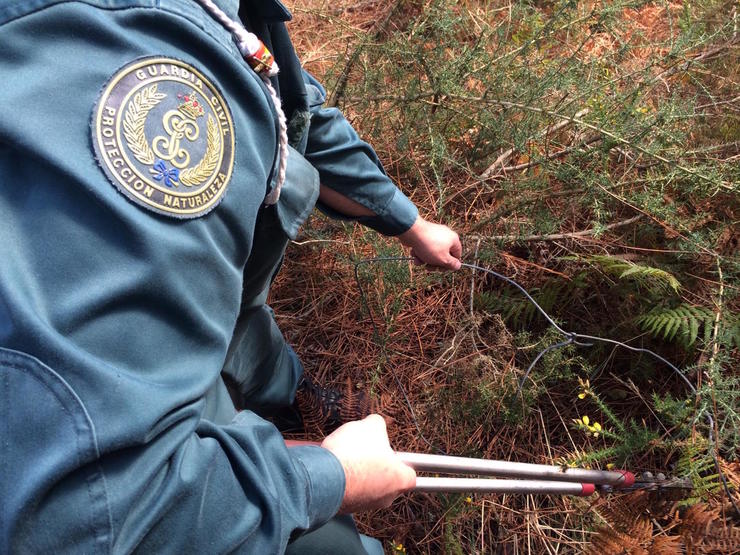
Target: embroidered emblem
{"type": "Point", "coordinates": [164, 136]}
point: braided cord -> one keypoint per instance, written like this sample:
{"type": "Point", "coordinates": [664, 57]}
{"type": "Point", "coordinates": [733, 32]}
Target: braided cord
{"type": "Point", "coordinates": [272, 198]}
{"type": "Point", "coordinates": [249, 46]}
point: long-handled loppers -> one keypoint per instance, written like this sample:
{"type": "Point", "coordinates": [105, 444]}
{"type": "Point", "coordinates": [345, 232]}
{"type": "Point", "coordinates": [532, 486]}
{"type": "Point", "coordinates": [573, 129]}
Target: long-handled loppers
{"type": "Point", "coordinates": [523, 478]}
{"type": "Point", "coordinates": [528, 478]}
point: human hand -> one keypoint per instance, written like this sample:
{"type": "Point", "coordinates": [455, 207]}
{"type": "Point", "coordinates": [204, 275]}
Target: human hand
{"type": "Point", "coordinates": [433, 244]}
{"type": "Point", "coordinates": [374, 475]}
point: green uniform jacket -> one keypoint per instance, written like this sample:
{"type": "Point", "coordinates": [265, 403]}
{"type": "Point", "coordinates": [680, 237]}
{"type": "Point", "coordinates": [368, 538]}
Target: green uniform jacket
{"type": "Point", "coordinates": [116, 318]}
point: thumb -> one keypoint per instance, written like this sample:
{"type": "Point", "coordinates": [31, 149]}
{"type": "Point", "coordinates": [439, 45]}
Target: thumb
{"type": "Point", "coordinates": [456, 248]}
{"type": "Point", "coordinates": [454, 263]}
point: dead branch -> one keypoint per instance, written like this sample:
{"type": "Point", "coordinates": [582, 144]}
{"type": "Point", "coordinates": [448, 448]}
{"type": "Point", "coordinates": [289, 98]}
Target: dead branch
{"type": "Point", "coordinates": [558, 236]}
{"type": "Point", "coordinates": [489, 172]}
{"type": "Point", "coordinates": [378, 31]}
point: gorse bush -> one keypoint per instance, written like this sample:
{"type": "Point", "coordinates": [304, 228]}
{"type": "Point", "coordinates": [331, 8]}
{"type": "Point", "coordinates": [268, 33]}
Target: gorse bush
{"type": "Point", "coordinates": [464, 84]}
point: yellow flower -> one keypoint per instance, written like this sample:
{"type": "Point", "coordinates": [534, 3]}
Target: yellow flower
{"type": "Point", "coordinates": [468, 500]}
{"type": "Point", "coordinates": [610, 466]}
{"type": "Point", "coordinates": [585, 422]}
{"type": "Point", "coordinates": [585, 388]}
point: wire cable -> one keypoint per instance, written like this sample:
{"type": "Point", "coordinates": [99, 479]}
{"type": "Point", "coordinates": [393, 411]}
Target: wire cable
{"type": "Point", "coordinates": [571, 338]}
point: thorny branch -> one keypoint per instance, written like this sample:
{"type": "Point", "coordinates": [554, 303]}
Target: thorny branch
{"type": "Point", "coordinates": [558, 236]}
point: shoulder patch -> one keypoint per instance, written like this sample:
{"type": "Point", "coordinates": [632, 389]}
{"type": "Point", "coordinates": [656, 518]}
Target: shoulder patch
{"type": "Point", "coordinates": [164, 136]}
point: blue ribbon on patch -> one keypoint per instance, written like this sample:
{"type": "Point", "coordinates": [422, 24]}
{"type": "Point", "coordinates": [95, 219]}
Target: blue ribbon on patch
{"type": "Point", "coordinates": [161, 173]}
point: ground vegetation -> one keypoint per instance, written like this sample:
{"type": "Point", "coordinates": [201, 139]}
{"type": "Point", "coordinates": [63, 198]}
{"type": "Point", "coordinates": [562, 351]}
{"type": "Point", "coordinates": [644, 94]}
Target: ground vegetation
{"type": "Point", "coordinates": [591, 151]}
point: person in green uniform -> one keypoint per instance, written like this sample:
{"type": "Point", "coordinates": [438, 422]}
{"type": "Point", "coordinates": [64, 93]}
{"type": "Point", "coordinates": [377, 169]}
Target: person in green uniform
{"type": "Point", "coordinates": [140, 228]}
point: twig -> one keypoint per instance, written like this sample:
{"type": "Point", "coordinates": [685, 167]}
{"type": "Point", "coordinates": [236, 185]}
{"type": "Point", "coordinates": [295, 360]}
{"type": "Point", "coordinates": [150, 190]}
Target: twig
{"type": "Point", "coordinates": [311, 241]}
{"type": "Point", "coordinates": [557, 236]}
{"type": "Point", "coordinates": [551, 156]}
{"type": "Point", "coordinates": [711, 104]}
{"type": "Point", "coordinates": [538, 266]}
{"type": "Point", "coordinates": [717, 316]}
{"type": "Point", "coordinates": [474, 333]}
{"type": "Point", "coordinates": [472, 278]}
{"type": "Point", "coordinates": [519, 203]}
{"type": "Point", "coordinates": [657, 221]}
{"type": "Point", "coordinates": [714, 148]}
{"type": "Point", "coordinates": [378, 30]}
{"type": "Point", "coordinates": [721, 284]}
{"type": "Point", "coordinates": [507, 154]}
{"type": "Point", "coordinates": [617, 138]}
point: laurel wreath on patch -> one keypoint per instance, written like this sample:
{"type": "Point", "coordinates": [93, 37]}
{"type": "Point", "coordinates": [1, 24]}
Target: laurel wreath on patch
{"type": "Point", "coordinates": [134, 120]}
{"type": "Point", "coordinates": [199, 173]}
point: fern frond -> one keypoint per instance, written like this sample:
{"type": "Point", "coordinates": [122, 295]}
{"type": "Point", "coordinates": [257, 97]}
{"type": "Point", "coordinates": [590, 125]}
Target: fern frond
{"type": "Point", "coordinates": [730, 333]}
{"type": "Point", "coordinates": [517, 310]}
{"type": "Point", "coordinates": [611, 542]}
{"type": "Point", "coordinates": [696, 464]}
{"type": "Point", "coordinates": [693, 329]}
{"type": "Point", "coordinates": [629, 526]}
{"type": "Point", "coordinates": [666, 545]}
{"type": "Point", "coordinates": [704, 529]}
{"type": "Point", "coordinates": [625, 514]}
{"type": "Point", "coordinates": [648, 276]}
{"type": "Point", "coordinates": [682, 322]}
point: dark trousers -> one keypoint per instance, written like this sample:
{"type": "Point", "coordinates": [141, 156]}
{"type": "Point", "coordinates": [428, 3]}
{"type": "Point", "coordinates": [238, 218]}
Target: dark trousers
{"type": "Point", "coordinates": [339, 536]}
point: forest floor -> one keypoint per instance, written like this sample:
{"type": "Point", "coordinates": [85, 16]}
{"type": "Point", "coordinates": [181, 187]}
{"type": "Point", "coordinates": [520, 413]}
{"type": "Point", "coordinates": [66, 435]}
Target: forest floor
{"type": "Point", "coordinates": [591, 152]}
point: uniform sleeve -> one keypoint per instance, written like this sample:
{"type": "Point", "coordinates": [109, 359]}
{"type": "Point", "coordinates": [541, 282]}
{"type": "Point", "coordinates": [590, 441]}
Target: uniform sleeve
{"type": "Point", "coordinates": [115, 320]}
{"type": "Point", "coordinates": [351, 167]}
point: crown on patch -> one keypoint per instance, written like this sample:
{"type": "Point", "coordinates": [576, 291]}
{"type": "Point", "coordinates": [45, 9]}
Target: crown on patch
{"type": "Point", "coordinates": [190, 106]}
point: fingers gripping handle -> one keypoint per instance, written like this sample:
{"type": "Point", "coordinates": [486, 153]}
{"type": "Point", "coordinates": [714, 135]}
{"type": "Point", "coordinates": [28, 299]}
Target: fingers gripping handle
{"type": "Point", "coordinates": [440, 463]}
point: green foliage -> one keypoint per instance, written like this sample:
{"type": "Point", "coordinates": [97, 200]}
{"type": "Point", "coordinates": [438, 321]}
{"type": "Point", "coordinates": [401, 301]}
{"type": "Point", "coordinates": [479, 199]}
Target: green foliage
{"type": "Point", "coordinates": [555, 366]}
{"type": "Point", "coordinates": [454, 540]}
{"type": "Point", "coordinates": [674, 412]}
{"type": "Point", "coordinates": [668, 322]}
{"type": "Point", "coordinates": [460, 97]}
{"type": "Point", "coordinates": [624, 438]}
{"type": "Point", "coordinates": [696, 464]}
{"type": "Point", "coordinates": [479, 395]}
{"type": "Point", "coordinates": [517, 310]}
{"type": "Point", "coordinates": [636, 440]}
{"type": "Point", "coordinates": [722, 392]}
{"type": "Point", "coordinates": [653, 279]}
{"type": "Point", "coordinates": [472, 389]}
{"type": "Point", "coordinates": [451, 541]}
{"type": "Point", "coordinates": [385, 283]}
{"type": "Point", "coordinates": [684, 322]}
{"type": "Point", "coordinates": [592, 113]}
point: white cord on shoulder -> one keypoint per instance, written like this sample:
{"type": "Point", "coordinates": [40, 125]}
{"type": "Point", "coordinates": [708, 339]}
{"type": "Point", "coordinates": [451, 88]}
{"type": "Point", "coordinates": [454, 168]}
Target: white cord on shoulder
{"type": "Point", "coordinates": [260, 59]}
{"type": "Point", "coordinates": [274, 195]}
